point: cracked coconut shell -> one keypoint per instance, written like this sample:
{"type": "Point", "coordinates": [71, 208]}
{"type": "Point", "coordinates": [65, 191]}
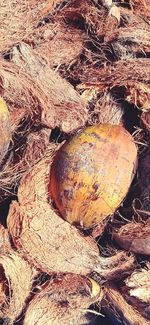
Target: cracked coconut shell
{"type": "Point", "coordinates": [91, 174]}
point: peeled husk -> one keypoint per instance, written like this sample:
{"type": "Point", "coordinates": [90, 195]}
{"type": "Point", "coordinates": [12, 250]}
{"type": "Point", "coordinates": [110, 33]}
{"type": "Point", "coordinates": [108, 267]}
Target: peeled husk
{"type": "Point", "coordinates": [134, 237]}
{"type": "Point", "coordinates": [18, 278]}
{"type": "Point", "coordinates": [137, 290]}
{"type": "Point", "coordinates": [63, 300]}
{"type": "Point", "coordinates": [36, 225]}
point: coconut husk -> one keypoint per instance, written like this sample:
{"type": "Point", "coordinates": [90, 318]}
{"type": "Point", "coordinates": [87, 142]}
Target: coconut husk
{"type": "Point", "coordinates": [66, 110]}
{"type": "Point", "coordinates": [137, 290]}
{"type": "Point", "coordinates": [18, 279]}
{"type": "Point", "coordinates": [144, 181]}
{"type": "Point", "coordinates": [38, 176]}
{"type": "Point", "coordinates": [20, 162]}
{"type": "Point", "coordinates": [58, 43]}
{"type": "Point", "coordinates": [103, 108]}
{"type": "Point", "coordinates": [64, 300]}
{"type": "Point", "coordinates": [140, 7]}
{"type": "Point", "coordinates": [18, 20]}
{"type": "Point", "coordinates": [115, 304]}
{"type": "Point", "coordinates": [36, 225]}
{"type": "Point", "coordinates": [5, 245]}
{"type": "Point", "coordinates": [134, 237]}
{"type": "Point", "coordinates": [130, 78]}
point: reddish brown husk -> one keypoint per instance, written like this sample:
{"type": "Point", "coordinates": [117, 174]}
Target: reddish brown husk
{"type": "Point", "coordinates": [36, 225]}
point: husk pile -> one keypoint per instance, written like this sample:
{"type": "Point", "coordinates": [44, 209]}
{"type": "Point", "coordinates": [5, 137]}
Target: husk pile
{"type": "Point", "coordinates": [65, 65]}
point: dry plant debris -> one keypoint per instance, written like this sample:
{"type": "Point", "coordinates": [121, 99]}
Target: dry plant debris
{"type": "Point", "coordinates": [66, 65]}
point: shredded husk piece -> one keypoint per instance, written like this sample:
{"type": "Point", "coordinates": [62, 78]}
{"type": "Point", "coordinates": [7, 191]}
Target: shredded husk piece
{"type": "Point", "coordinates": [129, 77]}
{"type": "Point", "coordinates": [134, 237]}
{"type": "Point", "coordinates": [37, 225]}
{"type": "Point", "coordinates": [63, 300]}
{"type": "Point", "coordinates": [58, 43]}
{"type": "Point", "coordinates": [19, 276]}
{"type": "Point", "coordinates": [4, 240]}
{"type": "Point", "coordinates": [65, 108]}
{"type": "Point", "coordinates": [115, 304]}
{"type": "Point", "coordinates": [137, 290]}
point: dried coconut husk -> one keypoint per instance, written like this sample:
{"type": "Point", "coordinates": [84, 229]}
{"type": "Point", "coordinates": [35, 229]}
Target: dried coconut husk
{"type": "Point", "coordinates": [64, 108]}
{"type": "Point", "coordinates": [64, 300]}
{"type": "Point", "coordinates": [134, 237]}
{"type": "Point", "coordinates": [141, 7]}
{"type": "Point", "coordinates": [137, 290]}
{"type": "Point", "coordinates": [38, 178]}
{"type": "Point", "coordinates": [18, 277]}
{"type": "Point", "coordinates": [58, 43]}
{"type": "Point", "coordinates": [18, 19]}
{"type": "Point", "coordinates": [36, 225]}
{"type": "Point", "coordinates": [103, 108]}
{"type": "Point", "coordinates": [5, 129]}
{"type": "Point", "coordinates": [130, 78]}
{"type": "Point", "coordinates": [115, 304]}
{"type": "Point", "coordinates": [99, 19]}
{"type": "Point", "coordinates": [4, 240]}
{"type": "Point", "coordinates": [20, 162]}
{"type": "Point", "coordinates": [144, 182]}
{"type": "Point", "coordinates": [132, 38]}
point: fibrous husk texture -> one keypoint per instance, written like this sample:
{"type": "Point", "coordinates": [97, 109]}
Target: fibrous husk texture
{"type": "Point", "coordinates": [63, 300]}
{"type": "Point", "coordinates": [36, 225]}
{"type": "Point", "coordinates": [18, 279]}
{"type": "Point", "coordinates": [137, 290]}
{"type": "Point", "coordinates": [65, 65]}
{"type": "Point", "coordinates": [115, 304]}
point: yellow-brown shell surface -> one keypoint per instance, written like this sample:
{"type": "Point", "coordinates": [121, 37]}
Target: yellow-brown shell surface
{"type": "Point", "coordinates": [91, 173]}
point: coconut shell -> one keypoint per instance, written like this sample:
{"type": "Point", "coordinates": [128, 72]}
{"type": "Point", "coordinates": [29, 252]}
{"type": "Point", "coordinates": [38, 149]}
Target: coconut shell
{"type": "Point", "coordinates": [91, 174]}
{"type": "Point", "coordinates": [63, 301]}
{"type": "Point", "coordinates": [19, 279]}
{"type": "Point", "coordinates": [134, 237]}
{"type": "Point", "coordinates": [36, 225]}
